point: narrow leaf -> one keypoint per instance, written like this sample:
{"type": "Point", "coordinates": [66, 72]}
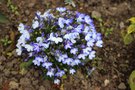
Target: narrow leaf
{"type": "Point", "coordinates": [3, 18]}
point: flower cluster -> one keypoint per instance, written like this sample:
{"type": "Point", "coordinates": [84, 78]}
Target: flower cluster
{"type": "Point", "coordinates": [59, 41]}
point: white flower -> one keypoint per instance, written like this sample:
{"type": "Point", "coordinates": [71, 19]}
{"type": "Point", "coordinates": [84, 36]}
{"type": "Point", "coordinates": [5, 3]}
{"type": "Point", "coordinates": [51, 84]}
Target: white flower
{"type": "Point", "coordinates": [72, 71]}
{"type": "Point", "coordinates": [21, 28]}
{"type": "Point", "coordinates": [19, 51]}
{"type": "Point", "coordinates": [35, 24]}
{"type": "Point", "coordinates": [57, 81]}
{"type": "Point", "coordinates": [28, 47]}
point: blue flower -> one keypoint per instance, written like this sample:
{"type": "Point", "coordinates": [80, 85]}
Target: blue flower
{"type": "Point", "coordinates": [88, 20]}
{"type": "Point", "coordinates": [90, 42]}
{"type": "Point", "coordinates": [68, 61]}
{"type": "Point", "coordinates": [37, 61]}
{"type": "Point", "coordinates": [50, 72]}
{"type": "Point", "coordinates": [36, 47]}
{"type": "Point", "coordinates": [61, 9]}
{"type": "Point", "coordinates": [61, 22]}
{"type": "Point", "coordinates": [79, 28]}
{"type": "Point", "coordinates": [68, 45]}
{"type": "Point", "coordinates": [80, 17]}
{"type": "Point", "coordinates": [87, 50]}
{"type": "Point", "coordinates": [60, 73]}
{"type": "Point", "coordinates": [74, 51]}
{"type": "Point", "coordinates": [82, 56]}
{"type": "Point", "coordinates": [47, 64]}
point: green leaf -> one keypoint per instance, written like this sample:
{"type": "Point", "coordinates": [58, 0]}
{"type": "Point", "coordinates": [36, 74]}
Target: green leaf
{"type": "Point", "coordinates": [132, 20]}
{"type": "Point", "coordinates": [3, 18]}
{"type": "Point", "coordinates": [132, 80]}
{"type": "Point", "coordinates": [131, 28]}
{"type": "Point", "coordinates": [26, 64]}
{"type": "Point", "coordinates": [128, 39]}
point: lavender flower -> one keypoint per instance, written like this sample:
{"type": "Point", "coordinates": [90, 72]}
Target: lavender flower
{"type": "Point", "coordinates": [58, 41]}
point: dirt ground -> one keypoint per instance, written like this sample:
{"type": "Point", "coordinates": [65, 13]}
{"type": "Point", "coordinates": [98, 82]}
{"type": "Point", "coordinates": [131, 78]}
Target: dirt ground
{"type": "Point", "coordinates": [115, 60]}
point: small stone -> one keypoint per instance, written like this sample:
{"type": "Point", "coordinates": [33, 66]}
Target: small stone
{"type": "Point", "coordinates": [25, 81]}
{"type": "Point", "coordinates": [121, 25]}
{"type": "Point", "coordinates": [41, 88]}
{"type": "Point", "coordinates": [96, 14]}
{"type": "Point", "coordinates": [2, 58]}
{"type": "Point", "coordinates": [31, 5]}
{"type": "Point", "coordinates": [35, 82]}
{"type": "Point", "coordinates": [13, 85]}
{"type": "Point", "coordinates": [6, 72]}
{"type": "Point", "coordinates": [27, 12]}
{"type": "Point", "coordinates": [106, 82]}
{"type": "Point", "coordinates": [122, 86]}
{"type": "Point", "coordinates": [1, 68]}
{"type": "Point", "coordinates": [14, 72]}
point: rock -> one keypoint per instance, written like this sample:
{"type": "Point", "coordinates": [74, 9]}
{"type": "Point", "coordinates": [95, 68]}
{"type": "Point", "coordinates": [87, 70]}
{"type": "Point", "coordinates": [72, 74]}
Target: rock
{"type": "Point", "coordinates": [14, 72]}
{"type": "Point", "coordinates": [6, 72]}
{"type": "Point", "coordinates": [35, 82]}
{"type": "Point", "coordinates": [96, 14]}
{"type": "Point", "coordinates": [121, 25]}
{"type": "Point", "coordinates": [27, 12]}
{"type": "Point", "coordinates": [122, 86]}
{"type": "Point", "coordinates": [1, 68]}
{"type": "Point", "coordinates": [2, 58]}
{"type": "Point", "coordinates": [25, 81]}
{"type": "Point", "coordinates": [31, 5]}
{"type": "Point", "coordinates": [13, 85]}
{"type": "Point", "coordinates": [106, 82]}
{"type": "Point", "coordinates": [41, 88]}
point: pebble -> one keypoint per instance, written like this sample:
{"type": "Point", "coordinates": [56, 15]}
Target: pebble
{"type": "Point", "coordinates": [122, 86]}
{"type": "Point", "coordinates": [14, 72]}
{"type": "Point", "coordinates": [31, 5]}
{"type": "Point", "coordinates": [121, 25]}
{"type": "Point", "coordinates": [96, 14]}
{"type": "Point", "coordinates": [41, 88]}
{"type": "Point", "coordinates": [13, 85]}
{"type": "Point", "coordinates": [6, 72]}
{"type": "Point", "coordinates": [27, 12]}
{"type": "Point", "coordinates": [1, 68]}
{"type": "Point", "coordinates": [35, 82]}
{"type": "Point", "coordinates": [25, 81]}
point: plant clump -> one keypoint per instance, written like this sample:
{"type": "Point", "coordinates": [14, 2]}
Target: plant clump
{"type": "Point", "coordinates": [59, 41]}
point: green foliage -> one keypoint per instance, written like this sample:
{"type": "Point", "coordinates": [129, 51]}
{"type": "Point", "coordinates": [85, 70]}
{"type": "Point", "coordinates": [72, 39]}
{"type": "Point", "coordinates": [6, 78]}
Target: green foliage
{"type": "Point", "coordinates": [3, 18]}
{"type": "Point", "coordinates": [70, 2]}
{"type": "Point", "coordinates": [105, 30]}
{"type": "Point", "coordinates": [24, 66]}
{"type": "Point", "coordinates": [132, 80]}
{"type": "Point", "coordinates": [5, 41]}
{"type": "Point", "coordinates": [129, 36]}
{"type": "Point", "coordinates": [12, 7]}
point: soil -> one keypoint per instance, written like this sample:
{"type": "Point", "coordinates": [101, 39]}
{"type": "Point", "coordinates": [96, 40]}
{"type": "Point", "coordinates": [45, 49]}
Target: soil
{"type": "Point", "coordinates": [115, 60]}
